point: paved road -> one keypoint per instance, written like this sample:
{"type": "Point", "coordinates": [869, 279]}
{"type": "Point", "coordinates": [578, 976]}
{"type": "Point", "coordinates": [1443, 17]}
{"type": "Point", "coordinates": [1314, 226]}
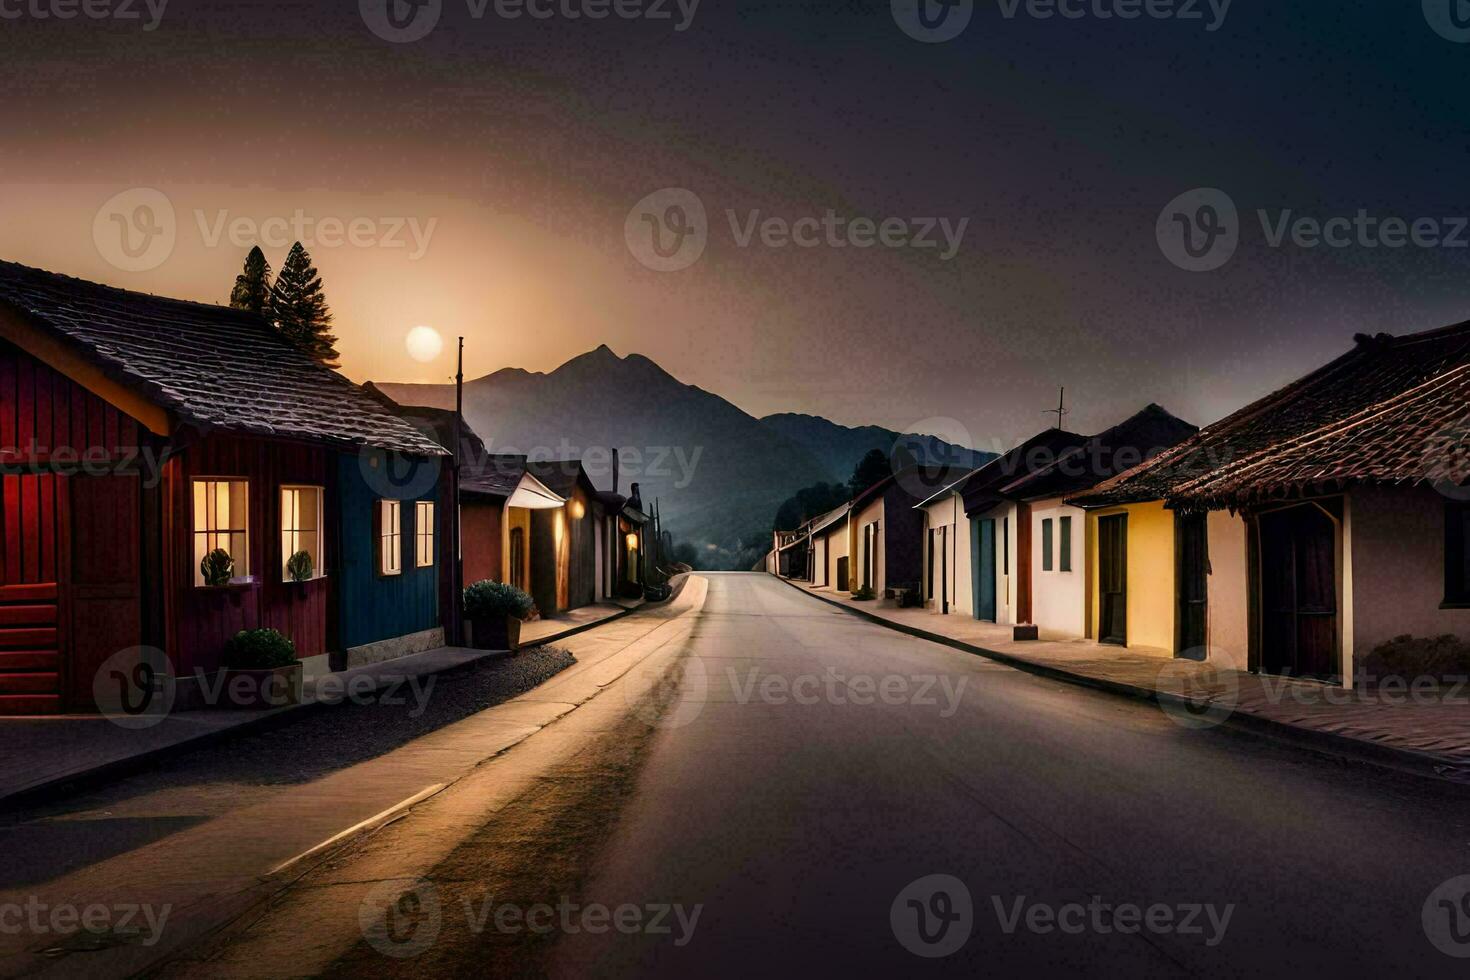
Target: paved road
{"type": "Point", "coordinates": [796, 826]}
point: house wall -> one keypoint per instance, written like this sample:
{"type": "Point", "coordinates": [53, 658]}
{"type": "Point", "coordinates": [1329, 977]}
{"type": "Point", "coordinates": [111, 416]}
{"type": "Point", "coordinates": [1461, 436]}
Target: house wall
{"type": "Point", "coordinates": [902, 531]}
{"type": "Point", "coordinates": [820, 575]}
{"type": "Point", "coordinates": [1151, 574]}
{"type": "Point", "coordinates": [581, 550]}
{"type": "Point", "coordinates": [482, 547]}
{"type": "Point", "coordinates": [837, 547]}
{"type": "Point", "coordinates": [949, 512]}
{"type": "Point", "coordinates": [1229, 609]}
{"type": "Point", "coordinates": [872, 514]}
{"type": "Point", "coordinates": [1398, 542]}
{"type": "Point", "coordinates": [202, 619]}
{"type": "Point", "coordinates": [377, 607]}
{"type": "Point", "coordinates": [1059, 599]}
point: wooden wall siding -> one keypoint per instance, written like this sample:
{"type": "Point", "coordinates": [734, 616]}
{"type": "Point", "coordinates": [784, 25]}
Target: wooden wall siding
{"type": "Point", "coordinates": [31, 637]}
{"type": "Point", "coordinates": [202, 620]}
{"type": "Point", "coordinates": [481, 535]}
{"type": "Point", "coordinates": [375, 607]}
{"type": "Point", "coordinates": [42, 411]}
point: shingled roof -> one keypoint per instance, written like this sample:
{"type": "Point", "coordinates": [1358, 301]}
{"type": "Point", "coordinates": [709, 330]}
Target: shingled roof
{"type": "Point", "coordinates": [1391, 410]}
{"type": "Point", "coordinates": [209, 366]}
{"type": "Point", "coordinates": [1141, 436]}
{"type": "Point", "coordinates": [984, 488]}
{"type": "Point", "coordinates": [480, 471]}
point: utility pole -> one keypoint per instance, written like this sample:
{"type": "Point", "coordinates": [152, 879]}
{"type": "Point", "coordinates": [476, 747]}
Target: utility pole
{"type": "Point", "coordinates": [1061, 410]}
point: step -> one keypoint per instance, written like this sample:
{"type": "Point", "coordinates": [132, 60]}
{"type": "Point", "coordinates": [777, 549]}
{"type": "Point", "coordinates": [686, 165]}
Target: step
{"type": "Point", "coordinates": [30, 683]}
{"type": "Point", "coordinates": [30, 704]}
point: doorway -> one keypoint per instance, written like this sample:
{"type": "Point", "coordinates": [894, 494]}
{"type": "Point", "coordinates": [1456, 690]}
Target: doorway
{"type": "Point", "coordinates": [982, 542]}
{"type": "Point", "coordinates": [1192, 613]}
{"type": "Point", "coordinates": [1112, 579]}
{"type": "Point", "coordinates": [1298, 582]}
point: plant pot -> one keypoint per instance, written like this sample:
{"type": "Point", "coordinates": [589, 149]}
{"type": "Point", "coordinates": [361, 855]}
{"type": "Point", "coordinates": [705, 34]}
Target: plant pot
{"type": "Point", "coordinates": [497, 633]}
{"type": "Point", "coordinates": [257, 690]}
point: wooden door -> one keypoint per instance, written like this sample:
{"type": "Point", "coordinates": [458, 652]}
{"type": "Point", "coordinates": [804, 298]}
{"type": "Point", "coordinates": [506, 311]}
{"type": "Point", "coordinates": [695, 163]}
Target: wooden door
{"type": "Point", "coordinates": [104, 599]}
{"type": "Point", "coordinates": [1112, 579]}
{"type": "Point", "coordinates": [1191, 535]}
{"type": "Point", "coordinates": [1298, 576]}
{"type": "Point", "coordinates": [31, 638]}
{"type": "Point", "coordinates": [982, 542]}
{"type": "Point", "coordinates": [842, 582]}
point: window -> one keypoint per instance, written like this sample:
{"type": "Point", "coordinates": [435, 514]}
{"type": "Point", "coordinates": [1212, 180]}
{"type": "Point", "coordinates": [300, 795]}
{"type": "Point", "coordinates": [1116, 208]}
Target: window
{"type": "Point", "coordinates": [390, 537]}
{"type": "Point", "coordinates": [1005, 546]}
{"type": "Point", "coordinates": [1457, 554]}
{"type": "Point", "coordinates": [222, 521]}
{"type": "Point", "coordinates": [1066, 532]}
{"type": "Point", "coordinates": [423, 533]}
{"type": "Point", "coordinates": [1046, 545]}
{"type": "Point", "coordinates": [301, 528]}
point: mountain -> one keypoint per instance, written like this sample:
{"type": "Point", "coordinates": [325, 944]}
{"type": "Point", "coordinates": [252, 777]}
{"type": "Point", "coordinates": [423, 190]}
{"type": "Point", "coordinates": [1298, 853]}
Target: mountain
{"type": "Point", "coordinates": [839, 447]}
{"type": "Point", "coordinates": [718, 473]}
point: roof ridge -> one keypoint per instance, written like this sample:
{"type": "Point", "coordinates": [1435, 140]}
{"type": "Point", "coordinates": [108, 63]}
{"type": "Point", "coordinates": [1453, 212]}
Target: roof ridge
{"type": "Point", "coordinates": [157, 297]}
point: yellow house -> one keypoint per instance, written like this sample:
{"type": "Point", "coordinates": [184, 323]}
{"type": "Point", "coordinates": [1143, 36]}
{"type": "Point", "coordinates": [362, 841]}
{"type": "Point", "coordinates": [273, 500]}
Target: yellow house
{"type": "Point", "coordinates": [1132, 564]}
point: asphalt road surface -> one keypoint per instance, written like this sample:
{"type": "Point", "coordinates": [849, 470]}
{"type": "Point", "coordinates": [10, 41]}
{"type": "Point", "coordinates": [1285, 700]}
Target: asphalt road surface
{"type": "Point", "coordinates": [1078, 831]}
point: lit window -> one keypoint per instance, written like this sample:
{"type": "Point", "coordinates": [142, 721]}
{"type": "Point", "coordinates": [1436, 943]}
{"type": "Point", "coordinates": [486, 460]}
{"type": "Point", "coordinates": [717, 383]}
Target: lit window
{"type": "Point", "coordinates": [390, 537]}
{"type": "Point", "coordinates": [301, 529]}
{"type": "Point", "coordinates": [222, 522]}
{"type": "Point", "coordinates": [423, 533]}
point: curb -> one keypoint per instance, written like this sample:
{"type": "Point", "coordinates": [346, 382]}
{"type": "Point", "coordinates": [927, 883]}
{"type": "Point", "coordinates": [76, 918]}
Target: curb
{"type": "Point", "coordinates": [1417, 763]}
{"type": "Point", "coordinates": [43, 792]}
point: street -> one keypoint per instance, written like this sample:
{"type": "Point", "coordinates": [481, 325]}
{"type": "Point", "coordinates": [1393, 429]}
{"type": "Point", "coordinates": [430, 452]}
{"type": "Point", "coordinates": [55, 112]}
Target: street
{"type": "Point", "coordinates": [769, 820]}
{"type": "Point", "coordinates": [767, 791]}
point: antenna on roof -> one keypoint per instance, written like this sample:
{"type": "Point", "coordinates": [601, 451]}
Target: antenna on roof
{"type": "Point", "coordinates": [1061, 410]}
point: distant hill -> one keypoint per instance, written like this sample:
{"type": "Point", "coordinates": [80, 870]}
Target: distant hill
{"type": "Point", "coordinates": [839, 447]}
{"type": "Point", "coordinates": [719, 473]}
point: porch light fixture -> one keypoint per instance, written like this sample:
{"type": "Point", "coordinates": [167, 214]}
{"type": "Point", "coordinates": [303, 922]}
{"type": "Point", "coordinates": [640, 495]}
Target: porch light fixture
{"type": "Point", "coordinates": [578, 509]}
{"type": "Point", "coordinates": [632, 540]}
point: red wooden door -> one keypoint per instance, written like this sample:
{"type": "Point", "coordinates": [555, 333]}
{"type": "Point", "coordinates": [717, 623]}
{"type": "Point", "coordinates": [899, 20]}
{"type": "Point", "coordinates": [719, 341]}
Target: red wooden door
{"type": "Point", "coordinates": [30, 659]}
{"type": "Point", "coordinates": [1299, 593]}
{"type": "Point", "coordinates": [104, 600]}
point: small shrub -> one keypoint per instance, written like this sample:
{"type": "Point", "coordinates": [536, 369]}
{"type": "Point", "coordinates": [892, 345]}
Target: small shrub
{"type": "Point", "coordinates": [1411, 657]}
{"type": "Point", "coordinates": [263, 649]}
{"type": "Point", "coordinates": [863, 594]}
{"type": "Point", "coordinates": [630, 590]}
{"type": "Point", "coordinates": [299, 567]}
{"type": "Point", "coordinates": [491, 600]}
{"type": "Point", "coordinates": [217, 567]}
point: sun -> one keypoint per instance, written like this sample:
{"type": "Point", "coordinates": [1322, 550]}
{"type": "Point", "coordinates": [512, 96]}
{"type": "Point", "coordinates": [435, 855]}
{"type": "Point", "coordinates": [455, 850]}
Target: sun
{"type": "Point", "coordinates": [424, 344]}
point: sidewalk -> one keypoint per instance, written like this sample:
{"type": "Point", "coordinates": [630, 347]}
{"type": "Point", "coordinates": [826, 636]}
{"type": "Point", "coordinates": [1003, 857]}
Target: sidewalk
{"type": "Point", "coordinates": [212, 870]}
{"type": "Point", "coordinates": [1394, 726]}
{"type": "Point", "coordinates": [42, 753]}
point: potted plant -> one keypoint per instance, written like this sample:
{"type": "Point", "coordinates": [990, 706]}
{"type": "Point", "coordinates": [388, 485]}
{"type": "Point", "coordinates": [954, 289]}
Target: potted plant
{"type": "Point", "coordinates": [495, 611]}
{"type": "Point", "coordinates": [260, 671]}
{"type": "Point", "coordinates": [299, 567]}
{"type": "Point", "coordinates": [217, 568]}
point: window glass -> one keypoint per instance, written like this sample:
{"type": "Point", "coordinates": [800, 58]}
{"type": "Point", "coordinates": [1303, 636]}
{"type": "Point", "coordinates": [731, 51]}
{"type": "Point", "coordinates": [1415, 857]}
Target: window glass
{"type": "Point", "coordinates": [1046, 545]}
{"type": "Point", "coordinates": [423, 533]}
{"type": "Point", "coordinates": [221, 521]}
{"type": "Point", "coordinates": [1066, 532]}
{"type": "Point", "coordinates": [301, 528]}
{"type": "Point", "coordinates": [390, 537]}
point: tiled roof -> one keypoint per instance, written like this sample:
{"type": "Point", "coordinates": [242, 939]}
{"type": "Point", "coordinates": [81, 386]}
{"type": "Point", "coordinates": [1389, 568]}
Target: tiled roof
{"type": "Point", "coordinates": [1139, 437]}
{"type": "Point", "coordinates": [1391, 410]}
{"type": "Point", "coordinates": [559, 476]}
{"type": "Point", "coordinates": [983, 489]}
{"type": "Point", "coordinates": [209, 366]}
{"type": "Point", "coordinates": [480, 471]}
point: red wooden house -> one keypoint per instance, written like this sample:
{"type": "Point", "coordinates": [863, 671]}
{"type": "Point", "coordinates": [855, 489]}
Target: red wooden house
{"type": "Point", "coordinates": [136, 434]}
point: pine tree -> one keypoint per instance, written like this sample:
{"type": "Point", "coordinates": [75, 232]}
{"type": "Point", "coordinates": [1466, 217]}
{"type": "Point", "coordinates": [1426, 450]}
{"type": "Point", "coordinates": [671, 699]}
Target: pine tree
{"type": "Point", "coordinates": [253, 286]}
{"type": "Point", "coordinates": [299, 307]}
{"type": "Point", "coordinates": [871, 469]}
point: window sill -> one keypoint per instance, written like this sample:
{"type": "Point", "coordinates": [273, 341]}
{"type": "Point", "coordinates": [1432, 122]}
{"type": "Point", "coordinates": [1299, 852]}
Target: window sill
{"type": "Point", "coordinates": [1455, 604]}
{"type": "Point", "coordinates": [309, 581]}
{"type": "Point", "coordinates": [235, 585]}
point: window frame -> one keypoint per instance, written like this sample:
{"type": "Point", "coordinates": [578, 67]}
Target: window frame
{"type": "Point", "coordinates": [1456, 555]}
{"type": "Point", "coordinates": [381, 534]}
{"type": "Point", "coordinates": [319, 560]}
{"type": "Point", "coordinates": [1048, 544]}
{"type": "Point", "coordinates": [243, 576]}
{"type": "Point", "coordinates": [423, 530]}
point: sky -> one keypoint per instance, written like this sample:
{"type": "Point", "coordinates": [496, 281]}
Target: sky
{"type": "Point", "coordinates": [502, 177]}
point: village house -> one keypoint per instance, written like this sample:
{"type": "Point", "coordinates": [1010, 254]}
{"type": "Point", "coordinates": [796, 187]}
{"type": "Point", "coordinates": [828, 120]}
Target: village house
{"type": "Point", "coordinates": [141, 434]}
{"type": "Point", "coordinates": [885, 531]}
{"type": "Point", "coordinates": [829, 549]}
{"type": "Point", "coordinates": [1324, 519]}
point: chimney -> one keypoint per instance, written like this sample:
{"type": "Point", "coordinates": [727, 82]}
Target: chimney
{"type": "Point", "coordinates": [635, 498]}
{"type": "Point", "coordinates": [615, 471]}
